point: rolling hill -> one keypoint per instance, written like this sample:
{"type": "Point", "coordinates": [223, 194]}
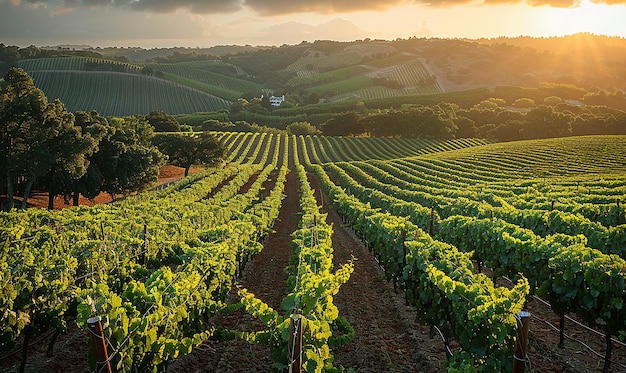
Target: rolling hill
{"type": "Point", "coordinates": [180, 80]}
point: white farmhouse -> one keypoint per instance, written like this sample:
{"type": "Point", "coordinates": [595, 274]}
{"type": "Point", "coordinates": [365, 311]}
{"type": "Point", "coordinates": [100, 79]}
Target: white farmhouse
{"type": "Point", "coordinates": [277, 100]}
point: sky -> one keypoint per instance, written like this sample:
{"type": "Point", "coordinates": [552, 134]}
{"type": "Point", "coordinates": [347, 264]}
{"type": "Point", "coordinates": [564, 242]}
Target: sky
{"type": "Point", "coordinates": [206, 23]}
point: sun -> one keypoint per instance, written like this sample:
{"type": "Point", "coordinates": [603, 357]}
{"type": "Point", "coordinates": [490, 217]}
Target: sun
{"type": "Point", "coordinates": [594, 18]}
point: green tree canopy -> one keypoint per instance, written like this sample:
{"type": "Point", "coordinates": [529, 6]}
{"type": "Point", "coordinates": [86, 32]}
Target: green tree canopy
{"type": "Point", "coordinates": [126, 160]}
{"type": "Point", "coordinates": [94, 127]}
{"type": "Point", "coordinates": [344, 124]}
{"type": "Point", "coordinates": [186, 151]}
{"type": "Point", "coordinates": [68, 152]}
{"type": "Point", "coordinates": [302, 128]}
{"type": "Point", "coordinates": [163, 122]}
{"type": "Point", "coordinates": [38, 138]}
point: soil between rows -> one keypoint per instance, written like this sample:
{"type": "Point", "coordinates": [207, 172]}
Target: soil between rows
{"type": "Point", "coordinates": [387, 339]}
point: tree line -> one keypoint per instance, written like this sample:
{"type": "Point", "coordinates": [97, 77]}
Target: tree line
{"type": "Point", "coordinates": [486, 120]}
{"type": "Point", "coordinates": [505, 114]}
{"type": "Point", "coordinates": [44, 146]}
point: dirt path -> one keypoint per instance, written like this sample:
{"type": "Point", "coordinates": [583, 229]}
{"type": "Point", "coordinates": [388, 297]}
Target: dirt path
{"type": "Point", "coordinates": [386, 337]}
{"type": "Point", "coordinates": [266, 278]}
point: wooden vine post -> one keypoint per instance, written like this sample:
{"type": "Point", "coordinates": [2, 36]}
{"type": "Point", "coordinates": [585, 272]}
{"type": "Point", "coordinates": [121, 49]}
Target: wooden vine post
{"type": "Point", "coordinates": [295, 343]}
{"type": "Point", "coordinates": [102, 230]}
{"type": "Point", "coordinates": [521, 342]}
{"type": "Point", "coordinates": [100, 346]}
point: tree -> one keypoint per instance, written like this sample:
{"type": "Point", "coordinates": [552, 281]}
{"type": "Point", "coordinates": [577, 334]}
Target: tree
{"type": "Point", "coordinates": [68, 153]}
{"type": "Point", "coordinates": [186, 151]}
{"type": "Point", "coordinates": [344, 124]}
{"type": "Point", "coordinates": [466, 128]}
{"type": "Point", "coordinates": [545, 122]}
{"type": "Point", "coordinates": [38, 137]}
{"type": "Point", "coordinates": [238, 105]}
{"type": "Point", "coordinates": [302, 128]}
{"type": "Point", "coordinates": [490, 103]}
{"type": "Point", "coordinates": [163, 122]}
{"type": "Point", "coordinates": [524, 103]}
{"type": "Point", "coordinates": [21, 108]}
{"type": "Point", "coordinates": [126, 160]}
{"type": "Point", "coordinates": [507, 131]}
{"type": "Point", "coordinates": [431, 122]}
{"type": "Point", "coordinates": [313, 98]}
{"type": "Point", "coordinates": [552, 100]}
{"type": "Point", "coordinates": [95, 127]}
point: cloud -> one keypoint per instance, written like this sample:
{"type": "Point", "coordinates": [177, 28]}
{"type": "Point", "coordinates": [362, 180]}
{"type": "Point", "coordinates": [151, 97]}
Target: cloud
{"type": "Point", "coordinates": [274, 7]}
{"type": "Point", "coordinates": [279, 7]}
{"type": "Point", "coordinates": [152, 6]}
{"type": "Point", "coordinates": [194, 6]}
{"type": "Point", "coordinates": [25, 26]}
{"type": "Point", "coordinates": [539, 3]}
{"type": "Point", "coordinates": [610, 2]}
{"type": "Point", "coordinates": [555, 3]}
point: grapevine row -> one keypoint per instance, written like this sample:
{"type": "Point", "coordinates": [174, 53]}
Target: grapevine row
{"type": "Point", "coordinates": [440, 283]}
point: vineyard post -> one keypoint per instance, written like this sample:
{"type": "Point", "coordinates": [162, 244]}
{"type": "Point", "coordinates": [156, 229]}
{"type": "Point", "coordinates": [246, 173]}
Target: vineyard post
{"type": "Point", "coordinates": [102, 230]}
{"type": "Point", "coordinates": [609, 350]}
{"type": "Point", "coordinates": [521, 342]}
{"type": "Point", "coordinates": [295, 344]}
{"type": "Point", "coordinates": [552, 205]}
{"type": "Point", "coordinates": [27, 334]}
{"type": "Point", "coordinates": [99, 343]}
{"type": "Point", "coordinates": [50, 350]}
{"type": "Point", "coordinates": [562, 329]}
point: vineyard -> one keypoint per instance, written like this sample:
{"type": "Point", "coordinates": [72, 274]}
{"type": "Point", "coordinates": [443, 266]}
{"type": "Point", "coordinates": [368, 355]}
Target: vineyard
{"type": "Point", "coordinates": [115, 88]}
{"type": "Point", "coordinates": [281, 258]}
{"type": "Point", "coordinates": [200, 76]}
{"type": "Point", "coordinates": [121, 88]}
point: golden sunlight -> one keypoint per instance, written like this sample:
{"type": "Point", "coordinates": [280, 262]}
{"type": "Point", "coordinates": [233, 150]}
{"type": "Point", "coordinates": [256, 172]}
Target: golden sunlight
{"type": "Point", "coordinates": [599, 19]}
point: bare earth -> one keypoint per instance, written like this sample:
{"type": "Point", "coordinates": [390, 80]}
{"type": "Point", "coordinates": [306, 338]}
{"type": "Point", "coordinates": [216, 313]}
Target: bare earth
{"type": "Point", "coordinates": [387, 338]}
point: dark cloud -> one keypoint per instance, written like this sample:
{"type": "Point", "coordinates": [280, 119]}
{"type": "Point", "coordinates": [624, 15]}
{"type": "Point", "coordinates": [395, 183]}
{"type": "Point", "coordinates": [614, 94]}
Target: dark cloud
{"type": "Point", "coordinates": [152, 6]}
{"type": "Point", "coordinates": [194, 6]}
{"type": "Point", "coordinates": [279, 7]}
{"type": "Point", "coordinates": [24, 26]}
{"type": "Point", "coordinates": [275, 7]}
